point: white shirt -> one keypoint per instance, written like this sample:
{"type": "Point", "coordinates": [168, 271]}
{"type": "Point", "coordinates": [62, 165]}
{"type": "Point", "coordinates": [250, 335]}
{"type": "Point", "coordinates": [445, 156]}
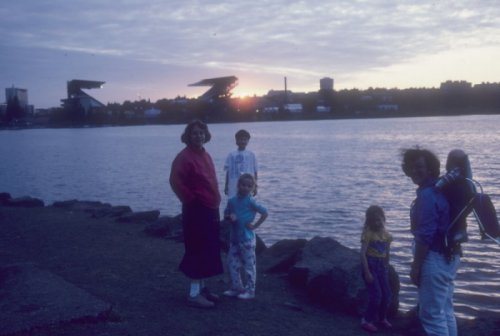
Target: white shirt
{"type": "Point", "coordinates": [237, 163]}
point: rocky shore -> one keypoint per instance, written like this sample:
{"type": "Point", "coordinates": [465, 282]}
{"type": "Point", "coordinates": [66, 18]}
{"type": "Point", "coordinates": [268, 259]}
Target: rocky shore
{"type": "Point", "coordinates": [90, 268]}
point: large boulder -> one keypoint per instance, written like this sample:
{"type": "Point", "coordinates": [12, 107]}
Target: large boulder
{"type": "Point", "coordinates": [281, 256]}
{"type": "Point", "coordinates": [165, 227]}
{"type": "Point", "coordinates": [331, 275]}
{"type": "Point", "coordinates": [25, 202]}
{"type": "Point", "coordinates": [139, 217]}
{"type": "Point", "coordinates": [94, 208]}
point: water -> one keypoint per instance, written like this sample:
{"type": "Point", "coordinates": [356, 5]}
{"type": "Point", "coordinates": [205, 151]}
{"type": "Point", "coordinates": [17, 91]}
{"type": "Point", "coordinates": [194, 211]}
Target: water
{"type": "Point", "coordinates": [315, 177]}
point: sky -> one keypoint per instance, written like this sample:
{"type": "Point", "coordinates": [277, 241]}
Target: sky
{"type": "Point", "coordinates": [154, 49]}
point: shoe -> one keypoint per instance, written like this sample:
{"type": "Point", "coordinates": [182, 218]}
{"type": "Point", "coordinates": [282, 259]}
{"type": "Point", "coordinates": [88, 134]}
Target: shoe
{"type": "Point", "coordinates": [199, 301]}
{"type": "Point", "coordinates": [232, 292]}
{"type": "Point", "coordinates": [386, 324]}
{"type": "Point", "coordinates": [210, 296]}
{"type": "Point", "coordinates": [368, 326]}
{"type": "Point", "coordinates": [246, 296]}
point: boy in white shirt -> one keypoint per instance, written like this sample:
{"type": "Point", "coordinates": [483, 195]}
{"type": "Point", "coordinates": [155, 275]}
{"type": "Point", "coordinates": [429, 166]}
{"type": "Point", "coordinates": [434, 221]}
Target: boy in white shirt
{"type": "Point", "coordinates": [239, 162]}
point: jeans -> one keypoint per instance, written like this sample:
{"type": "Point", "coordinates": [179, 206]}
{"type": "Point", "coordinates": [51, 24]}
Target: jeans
{"type": "Point", "coordinates": [435, 294]}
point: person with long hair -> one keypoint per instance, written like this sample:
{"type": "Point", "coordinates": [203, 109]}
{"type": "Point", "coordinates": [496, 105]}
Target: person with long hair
{"type": "Point", "coordinates": [375, 248]}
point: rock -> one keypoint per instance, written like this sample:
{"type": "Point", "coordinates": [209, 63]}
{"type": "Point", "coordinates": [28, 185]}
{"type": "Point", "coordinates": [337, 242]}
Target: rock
{"type": "Point", "coordinates": [34, 298]}
{"type": "Point", "coordinates": [410, 323]}
{"type": "Point", "coordinates": [260, 245]}
{"type": "Point", "coordinates": [85, 206]}
{"type": "Point", "coordinates": [331, 275]}
{"type": "Point", "coordinates": [4, 198]}
{"type": "Point", "coordinates": [486, 324]}
{"type": "Point", "coordinates": [114, 211]}
{"type": "Point", "coordinates": [94, 208]}
{"type": "Point", "coordinates": [165, 227]}
{"type": "Point", "coordinates": [26, 202]}
{"type": "Point", "coordinates": [281, 256]}
{"type": "Point", "coordinates": [139, 217]}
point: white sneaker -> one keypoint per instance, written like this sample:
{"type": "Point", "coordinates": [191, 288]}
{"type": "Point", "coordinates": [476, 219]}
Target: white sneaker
{"type": "Point", "coordinates": [246, 296]}
{"type": "Point", "coordinates": [200, 301]}
{"type": "Point", "coordinates": [232, 292]}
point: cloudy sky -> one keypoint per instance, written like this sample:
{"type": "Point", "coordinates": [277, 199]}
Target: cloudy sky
{"type": "Point", "coordinates": [152, 49]}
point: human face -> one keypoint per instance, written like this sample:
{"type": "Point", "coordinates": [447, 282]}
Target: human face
{"type": "Point", "coordinates": [377, 223]}
{"type": "Point", "coordinates": [245, 186]}
{"type": "Point", "coordinates": [242, 142]}
{"type": "Point", "coordinates": [197, 137]}
{"type": "Point", "coordinates": [419, 173]}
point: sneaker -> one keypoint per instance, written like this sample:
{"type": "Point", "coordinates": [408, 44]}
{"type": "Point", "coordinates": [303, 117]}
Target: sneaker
{"type": "Point", "coordinates": [210, 296]}
{"type": "Point", "coordinates": [368, 326]}
{"type": "Point", "coordinates": [246, 296]}
{"type": "Point", "coordinates": [199, 301]}
{"type": "Point", "coordinates": [232, 292]}
{"type": "Point", "coordinates": [386, 324]}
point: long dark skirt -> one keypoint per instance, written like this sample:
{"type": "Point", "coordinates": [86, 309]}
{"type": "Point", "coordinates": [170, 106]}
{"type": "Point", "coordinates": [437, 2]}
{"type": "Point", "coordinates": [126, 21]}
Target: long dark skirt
{"type": "Point", "coordinates": [201, 241]}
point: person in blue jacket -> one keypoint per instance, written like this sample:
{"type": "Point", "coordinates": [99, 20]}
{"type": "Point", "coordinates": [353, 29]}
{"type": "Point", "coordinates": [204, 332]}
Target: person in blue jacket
{"type": "Point", "coordinates": [432, 271]}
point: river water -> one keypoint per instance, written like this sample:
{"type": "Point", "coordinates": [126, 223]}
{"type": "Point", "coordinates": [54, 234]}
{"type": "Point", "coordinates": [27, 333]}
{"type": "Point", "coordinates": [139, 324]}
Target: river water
{"type": "Point", "coordinates": [315, 177]}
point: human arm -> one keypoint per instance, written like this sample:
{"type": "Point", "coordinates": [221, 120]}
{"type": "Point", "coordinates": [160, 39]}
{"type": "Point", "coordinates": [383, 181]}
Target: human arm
{"type": "Point", "coordinates": [421, 252]}
{"type": "Point", "coordinates": [255, 188]}
{"type": "Point", "coordinates": [431, 215]}
{"type": "Point", "coordinates": [364, 263]}
{"type": "Point", "coordinates": [262, 218]}
{"type": "Point", "coordinates": [229, 212]}
{"type": "Point", "coordinates": [388, 255]}
{"type": "Point", "coordinates": [226, 183]}
{"type": "Point", "coordinates": [179, 178]}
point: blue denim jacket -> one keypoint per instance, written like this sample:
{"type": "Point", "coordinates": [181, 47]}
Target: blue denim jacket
{"type": "Point", "coordinates": [430, 217]}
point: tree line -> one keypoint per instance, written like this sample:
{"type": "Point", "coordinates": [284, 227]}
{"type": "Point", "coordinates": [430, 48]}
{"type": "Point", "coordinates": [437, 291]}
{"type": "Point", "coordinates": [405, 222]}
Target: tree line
{"type": "Point", "coordinates": [451, 98]}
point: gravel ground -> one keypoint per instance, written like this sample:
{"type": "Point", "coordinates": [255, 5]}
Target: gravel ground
{"type": "Point", "coordinates": [137, 275]}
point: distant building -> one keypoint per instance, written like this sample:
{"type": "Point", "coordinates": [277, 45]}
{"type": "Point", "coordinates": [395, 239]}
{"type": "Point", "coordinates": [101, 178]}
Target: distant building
{"type": "Point", "coordinates": [388, 107]}
{"type": "Point", "coordinates": [220, 87]}
{"type": "Point", "coordinates": [323, 109]}
{"type": "Point", "coordinates": [455, 86]}
{"type": "Point", "coordinates": [152, 113]}
{"type": "Point", "coordinates": [271, 109]}
{"type": "Point", "coordinates": [78, 99]}
{"type": "Point", "coordinates": [326, 84]}
{"type": "Point", "coordinates": [20, 94]}
{"type": "Point", "coordinates": [293, 108]}
{"type": "Point", "coordinates": [22, 97]}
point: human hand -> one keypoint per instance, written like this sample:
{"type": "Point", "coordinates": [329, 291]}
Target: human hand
{"type": "Point", "coordinates": [250, 226]}
{"type": "Point", "coordinates": [369, 278]}
{"type": "Point", "coordinates": [231, 217]}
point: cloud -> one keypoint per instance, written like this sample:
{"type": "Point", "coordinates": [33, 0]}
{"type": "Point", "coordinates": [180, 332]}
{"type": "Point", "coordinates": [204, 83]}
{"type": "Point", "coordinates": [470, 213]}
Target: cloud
{"type": "Point", "coordinates": [174, 43]}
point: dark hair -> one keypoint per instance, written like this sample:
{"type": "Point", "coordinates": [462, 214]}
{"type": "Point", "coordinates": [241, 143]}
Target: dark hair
{"type": "Point", "coordinates": [371, 214]}
{"type": "Point", "coordinates": [242, 134]}
{"type": "Point", "coordinates": [185, 138]}
{"type": "Point", "coordinates": [413, 154]}
{"type": "Point", "coordinates": [246, 176]}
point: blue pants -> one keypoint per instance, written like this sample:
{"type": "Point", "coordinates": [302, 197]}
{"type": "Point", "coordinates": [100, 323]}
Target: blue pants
{"type": "Point", "coordinates": [435, 294]}
{"type": "Point", "coordinates": [379, 291]}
